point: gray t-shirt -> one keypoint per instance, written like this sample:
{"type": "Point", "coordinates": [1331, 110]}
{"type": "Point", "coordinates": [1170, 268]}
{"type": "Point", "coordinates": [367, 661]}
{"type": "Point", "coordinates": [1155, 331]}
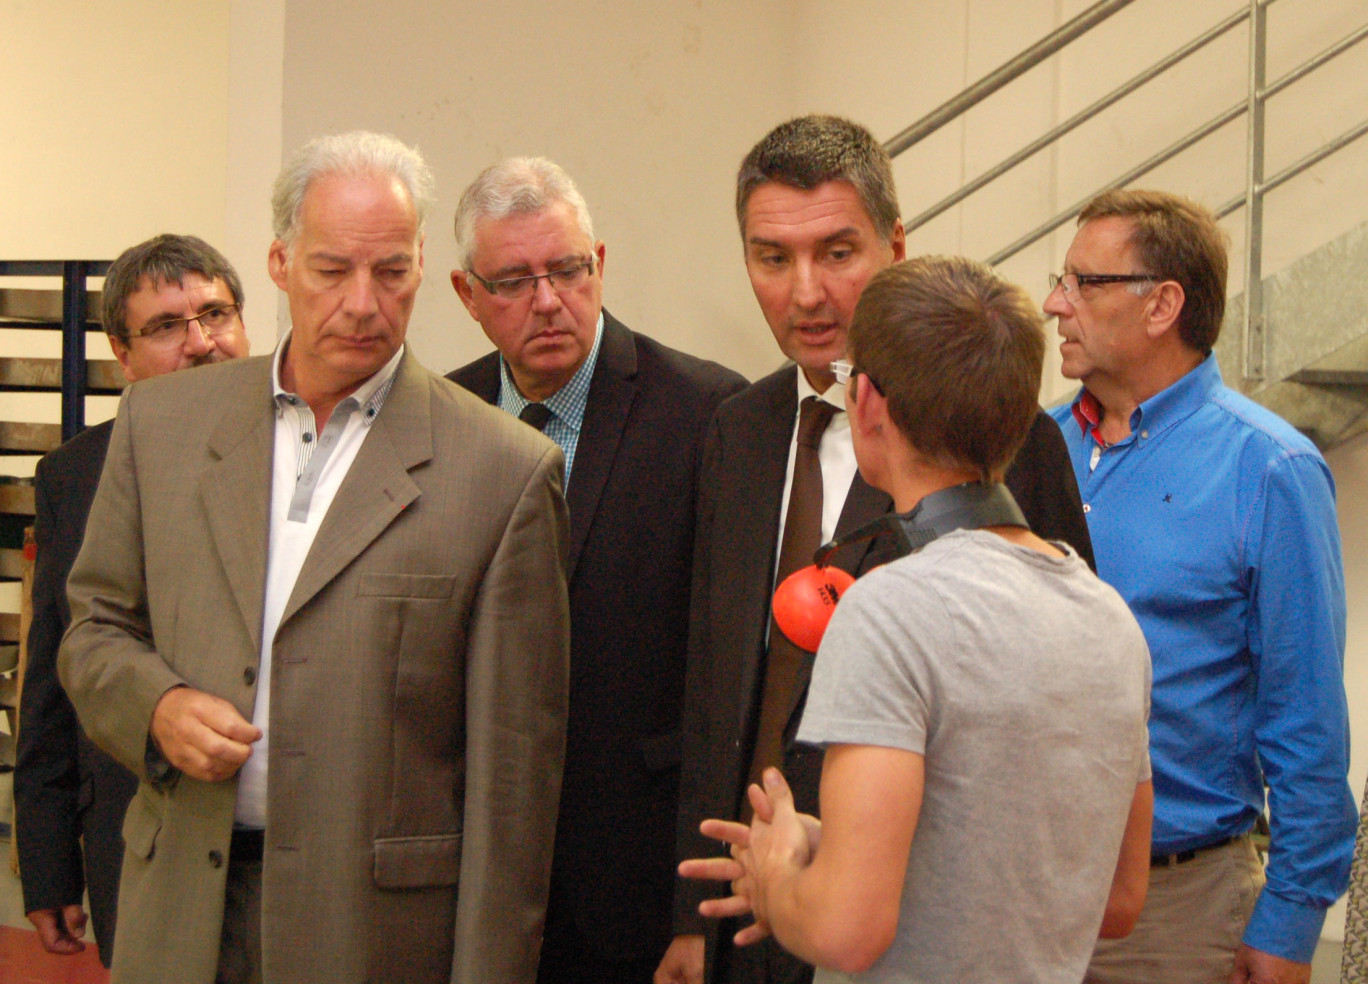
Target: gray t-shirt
{"type": "Point", "coordinates": [1024, 681]}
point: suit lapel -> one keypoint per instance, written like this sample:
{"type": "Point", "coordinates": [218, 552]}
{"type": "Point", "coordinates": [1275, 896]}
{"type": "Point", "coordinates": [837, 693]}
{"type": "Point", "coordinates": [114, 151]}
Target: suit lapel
{"type": "Point", "coordinates": [236, 493]}
{"type": "Point", "coordinates": [612, 391]}
{"type": "Point", "coordinates": [378, 486]}
{"type": "Point", "coordinates": [758, 448]}
{"type": "Point", "coordinates": [863, 504]}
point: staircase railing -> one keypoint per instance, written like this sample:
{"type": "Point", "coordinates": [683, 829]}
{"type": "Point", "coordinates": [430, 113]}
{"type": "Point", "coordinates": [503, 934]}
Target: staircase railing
{"type": "Point", "coordinates": [1257, 185]}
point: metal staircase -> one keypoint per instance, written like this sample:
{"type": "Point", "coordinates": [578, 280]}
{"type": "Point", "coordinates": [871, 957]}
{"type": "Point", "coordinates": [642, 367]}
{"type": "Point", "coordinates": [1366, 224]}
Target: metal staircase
{"type": "Point", "coordinates": [1311, 369]}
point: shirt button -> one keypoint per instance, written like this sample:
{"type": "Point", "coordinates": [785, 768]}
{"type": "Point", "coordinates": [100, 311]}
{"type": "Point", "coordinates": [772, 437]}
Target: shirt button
{"type": "Point", "coordinates": [249, 676]}
{"type": "Point", "coordinates": [308, 438]}
{"type": "Point", "coordinates": [1144, 434]}
{"type": "Point", "coordinates": [215, 859]}
{"type": "Point", "coordinates": [1087, 508]}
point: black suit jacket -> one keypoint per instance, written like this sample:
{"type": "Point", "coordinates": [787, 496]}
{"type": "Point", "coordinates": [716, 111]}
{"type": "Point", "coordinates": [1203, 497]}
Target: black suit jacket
{"type": "Point", "coordinates": [742, 488]}
{"type": "Point", "coordinates": [631, 495]}
{"type": "Point", "coordinates": [65, 789]}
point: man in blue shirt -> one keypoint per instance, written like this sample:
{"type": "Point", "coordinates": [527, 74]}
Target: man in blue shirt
{"type": "Point", "coordinates": [1215, 519]}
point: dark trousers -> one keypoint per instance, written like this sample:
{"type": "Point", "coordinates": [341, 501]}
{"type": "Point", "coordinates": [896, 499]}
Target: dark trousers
{"type": "Point", "coordinates": [240, 942]}
{"type": "Point", "coordinates": [567, 958]}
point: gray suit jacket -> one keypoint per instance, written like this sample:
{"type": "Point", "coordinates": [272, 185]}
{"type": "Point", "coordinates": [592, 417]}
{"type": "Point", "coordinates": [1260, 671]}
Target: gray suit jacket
{"type": "Point", "coordinates": [418, 685]}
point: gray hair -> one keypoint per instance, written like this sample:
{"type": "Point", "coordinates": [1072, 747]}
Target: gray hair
{"type": "Point", "coordinates": [164, 259]}
{"type": "Point", "coordinates": [353, 154]}
{"type": "Point", "coordinates": [515, 186]}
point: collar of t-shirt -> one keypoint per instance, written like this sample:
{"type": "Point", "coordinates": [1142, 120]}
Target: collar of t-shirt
{"type": "Point", "coordinates": [566, 404]}
{"type": "Point", "coordinates": [835, 453]}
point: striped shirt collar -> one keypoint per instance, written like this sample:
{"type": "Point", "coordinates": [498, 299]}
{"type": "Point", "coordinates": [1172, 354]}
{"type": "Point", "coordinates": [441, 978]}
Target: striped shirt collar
{"type": "Point", "coordinates": [368, 397]}
{"type": "Point", "coordinates": [568, 402]}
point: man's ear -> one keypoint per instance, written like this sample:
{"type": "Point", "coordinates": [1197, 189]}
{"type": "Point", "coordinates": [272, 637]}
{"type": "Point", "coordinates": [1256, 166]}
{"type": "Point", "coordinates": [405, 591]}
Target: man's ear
{"type": "Point", "coordinates": [1165, 307]}
{"type": "Point", "coordinates": [121, 353]}
{"type": "Point", "coordinates": [867, 407]}
{"type": "Point", "coordinates": [276, 262]}
{"type": "Point", "coordinates": [899, 242]}
{"type": "Point", "coordinates": [460, 280]}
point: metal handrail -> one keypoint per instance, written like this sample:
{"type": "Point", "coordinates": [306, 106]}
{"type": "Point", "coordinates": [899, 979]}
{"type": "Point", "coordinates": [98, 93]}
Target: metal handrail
{"type": "Point", "coordinates": [1292, 170]}
{"type": "Point", "coordinates": [1214, 124]}
{"type": "Point", "coordinates": [1079, 118]}
{"type": "Point", "coordinates": [1008, 72]}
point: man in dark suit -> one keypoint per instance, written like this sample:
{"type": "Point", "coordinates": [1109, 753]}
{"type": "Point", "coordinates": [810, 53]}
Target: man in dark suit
{"type": "Point", "coordinates": [819, 217]}
{"type": "Point", "coordinates": [630, 415]}
{"type": "Point", "coordinates": [169, 303]}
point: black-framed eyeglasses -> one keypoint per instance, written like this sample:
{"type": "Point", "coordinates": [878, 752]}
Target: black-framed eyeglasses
{"type": "Point", "coordinates": [561, 279]}
{"type": "Point", "coordinates": [845, 371]}
{"type": "Point", "coordinates": [1073, 283]}
{"type": "Point", "coordinates": [215, 321]}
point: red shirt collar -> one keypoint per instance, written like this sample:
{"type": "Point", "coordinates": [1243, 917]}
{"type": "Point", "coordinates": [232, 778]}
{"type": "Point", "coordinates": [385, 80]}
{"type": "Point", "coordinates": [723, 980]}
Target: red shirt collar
{"type": "Point", "coordinates": [1087, 411]}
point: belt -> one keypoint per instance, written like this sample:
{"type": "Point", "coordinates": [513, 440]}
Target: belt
{"type": "Point", "coordinates": [248, 844]}
{"type": "Point", "coordinates": [1183, 857]}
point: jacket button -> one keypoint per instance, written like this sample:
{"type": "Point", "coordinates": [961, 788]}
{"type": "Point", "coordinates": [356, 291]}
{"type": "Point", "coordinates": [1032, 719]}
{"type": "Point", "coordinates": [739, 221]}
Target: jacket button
{"type": "Point", "coordinates": [215, 859]}
{"type": "Point", "coordinates": [249, 676]}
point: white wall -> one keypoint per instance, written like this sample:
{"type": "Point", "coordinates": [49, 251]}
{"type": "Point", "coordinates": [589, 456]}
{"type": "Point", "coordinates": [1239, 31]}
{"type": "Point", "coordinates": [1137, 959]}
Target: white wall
{"type": "Point", "coordinates": [123, 120]}
{"type": "Point", "coordinates": [649, 106]}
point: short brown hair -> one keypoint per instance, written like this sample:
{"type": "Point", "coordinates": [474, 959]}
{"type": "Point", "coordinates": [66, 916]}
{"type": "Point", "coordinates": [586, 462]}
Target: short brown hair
{"type": "Point", "coordinates": [957, 351]}
{"type": "Point", "coordinates": [1176, 239]}
{"type": "Point", "coordinates": [812, 150]}
{"type": "Point", "coordinates": [164, 259]}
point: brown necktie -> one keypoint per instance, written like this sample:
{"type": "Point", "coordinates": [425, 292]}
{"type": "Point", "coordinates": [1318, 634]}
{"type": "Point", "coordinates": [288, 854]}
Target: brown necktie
{"type": "Point", "coordinates": [802, 537]}
{"type": "Point", "coordinates": [535, 414]}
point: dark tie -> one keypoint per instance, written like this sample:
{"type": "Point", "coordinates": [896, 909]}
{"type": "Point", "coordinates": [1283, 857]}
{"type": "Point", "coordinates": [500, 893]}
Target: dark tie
{"type": "Point", "coordinates": [1354, 968]}
{"type": "Point", "coordinates": [802, 536]}
{"type": "Point", "coordinates": [535, 414]}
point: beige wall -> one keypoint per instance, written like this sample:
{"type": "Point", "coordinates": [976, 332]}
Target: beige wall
{"type": "Point", "coordinates": [112, 135]}
{"type": "Point", "coordinates": [650, 107]}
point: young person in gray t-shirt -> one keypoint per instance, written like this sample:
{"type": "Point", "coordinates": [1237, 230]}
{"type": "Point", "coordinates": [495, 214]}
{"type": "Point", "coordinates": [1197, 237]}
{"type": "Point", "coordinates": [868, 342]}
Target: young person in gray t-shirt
{"type": "Point", "coordinates": [985, 795]}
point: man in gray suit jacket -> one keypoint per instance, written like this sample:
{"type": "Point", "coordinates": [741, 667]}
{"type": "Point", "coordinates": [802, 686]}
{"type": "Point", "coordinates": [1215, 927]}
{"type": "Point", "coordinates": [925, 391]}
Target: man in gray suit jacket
{"type": "Point", "coordinates": [321, 612]}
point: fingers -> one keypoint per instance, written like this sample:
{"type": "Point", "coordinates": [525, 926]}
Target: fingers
{"type": "Point", "coordinates": [777, 792]}
{"type": "Point", "coordinates": [760, 804]}
{"type": "Point", "coordinates": [726, 830]}
{"type": "Point", "coordinates": [223, 718]}
{"type": "Point", "coordinates": [732, 905]}
{"type": "Point", "coordinates": [712, 869]}
{"type": "Point", "coordinates": [683, 961]}
{"type": "Point", "coordinates": [75, 919]}
{"type": "Point", "coordinates": [52, 932]}
{"type": "Point", "coordinates": [202, 735]}
{"type": "Point", "coordinates": [753, 933]}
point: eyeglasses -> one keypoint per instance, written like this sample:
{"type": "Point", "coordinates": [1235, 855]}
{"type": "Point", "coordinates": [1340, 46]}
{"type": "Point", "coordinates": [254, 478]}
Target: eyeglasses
{"type": "Point", "coordinates": [1073, 283]}
{"type": "Point", "coordinates": [215, 321]}
{"type": "Point", "coordinates": [561, 279]}
{"type": "Point", "coordinates": [845, 371]}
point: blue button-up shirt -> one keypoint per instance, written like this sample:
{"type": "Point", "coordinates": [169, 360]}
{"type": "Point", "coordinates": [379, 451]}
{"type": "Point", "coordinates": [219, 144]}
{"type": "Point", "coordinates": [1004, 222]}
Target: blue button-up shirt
{"type": "Point", "coordinates": [1215, 520]}
{"type": "Point", "coordinates": [566, 404]}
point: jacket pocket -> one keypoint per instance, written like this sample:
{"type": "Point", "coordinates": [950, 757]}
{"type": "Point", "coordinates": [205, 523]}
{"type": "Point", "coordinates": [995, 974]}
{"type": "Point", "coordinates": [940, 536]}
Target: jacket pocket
{"type": "Point", "coordinates": [141, 826]}
{"type": "Point", "coordinates": [418, 862]}
{"type": "Point", "coordinates": [432, 586]}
